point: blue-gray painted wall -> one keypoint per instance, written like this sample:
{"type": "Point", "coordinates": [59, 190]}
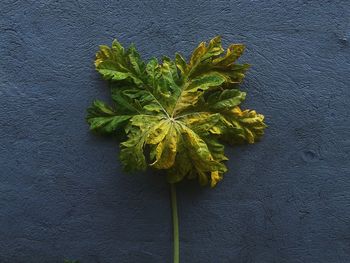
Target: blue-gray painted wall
{"type": "Point", "coordinates": [63, 194]}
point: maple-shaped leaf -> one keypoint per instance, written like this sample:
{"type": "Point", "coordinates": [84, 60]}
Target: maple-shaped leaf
{"type": "Point", "coordinates": [176, 114]}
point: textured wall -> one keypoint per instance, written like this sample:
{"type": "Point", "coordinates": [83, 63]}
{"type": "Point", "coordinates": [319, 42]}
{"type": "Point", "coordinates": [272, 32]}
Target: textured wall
{"type": "Point", "coordinates": [62, 192]}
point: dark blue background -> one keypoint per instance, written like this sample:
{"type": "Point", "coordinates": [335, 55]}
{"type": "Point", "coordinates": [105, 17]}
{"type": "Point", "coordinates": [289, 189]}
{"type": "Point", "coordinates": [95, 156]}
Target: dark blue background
{"type": "Point", "coordinates": [62, 191]}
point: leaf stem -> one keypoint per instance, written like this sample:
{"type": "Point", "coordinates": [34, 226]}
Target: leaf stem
{"type": "Point", "coordinates": [175, 223]}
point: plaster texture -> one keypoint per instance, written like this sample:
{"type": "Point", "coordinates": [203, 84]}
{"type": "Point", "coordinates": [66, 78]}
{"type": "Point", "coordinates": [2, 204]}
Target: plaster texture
{"type": "Point", "coordinates": [63, 194]}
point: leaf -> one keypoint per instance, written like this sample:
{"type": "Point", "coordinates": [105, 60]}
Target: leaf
{"type": "Point", "coordinates": [225, 100]}
{"type": "Point", "coordinates": [181, 64]}
{"type": "Point", "coordinates": [207, 72]}
{"type": "Point", "coordinates": [162, 80]}
{"type": "Point", "coordinates": [116, 64]}
{"type": "Point", "coordinates": [103, 119]}
{"type": "Point", "coordinates": [233, 53]}
{"type": "Point", "coordinates": [203, 52]}
{"type": "Point", "coordinates": [176, 114]}
{"type": "Point", "coordinates": [201, 122]}
{"type": "Point", "coordinates": [215, 177]}
{"type": "Point", "coordinates": [132, 150]}
{"type": "Point", "coordinates": [242, 126]}
{"type": "Point", "coordinates": [199, 152]}
{"type": "Point", "coordinates": [195, 89]}
{"type": "Point", "coordinates": [166, 150]}
{"type": "Point", "coordinates": [158, 132]}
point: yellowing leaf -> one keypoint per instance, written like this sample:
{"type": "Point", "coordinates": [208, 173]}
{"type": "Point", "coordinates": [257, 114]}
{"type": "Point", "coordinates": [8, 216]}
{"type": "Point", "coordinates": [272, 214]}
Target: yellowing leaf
{"type": "Point", "coordinates": [203, 52]}
{"type": "Point", "coordinates": [181, 64]}
{"type": "Point", "coordinates": [242, 126]}
{"type": "Point", "coordinates": [176, 113]}
{"type": "Point", "coordinates": [158, 132]}
{"type": "Point", "coordinates": [166, 150]}
{"type": "Point", "coordinates": [233, 53]}
{"type": "Point", "coordinates": [215, 177]}
{"type": "Point", "coordinates": [201, 122]}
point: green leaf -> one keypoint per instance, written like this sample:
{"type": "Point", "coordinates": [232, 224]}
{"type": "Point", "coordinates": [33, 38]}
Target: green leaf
{"type": "Point", "coordinates": [103, 119]}
{"type": "Point", "coordinates": [225, 100]}
{"type": "Point", "coordinates": [195, 89]}
{"type": "Point", "coordinates": [115, 64]}
{"type": "Point", "coordinates": [201, 122]}
{"type": "Point", "coordinates": [176, 114]}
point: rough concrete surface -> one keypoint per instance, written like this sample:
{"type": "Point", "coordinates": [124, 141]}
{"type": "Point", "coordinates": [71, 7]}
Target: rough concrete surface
{"type": "Point", "coordinates": [63, 194]}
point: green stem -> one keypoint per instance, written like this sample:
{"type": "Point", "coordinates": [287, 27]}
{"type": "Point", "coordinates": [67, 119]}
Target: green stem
{"type": "Point", "coordinates": [175, 223]}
